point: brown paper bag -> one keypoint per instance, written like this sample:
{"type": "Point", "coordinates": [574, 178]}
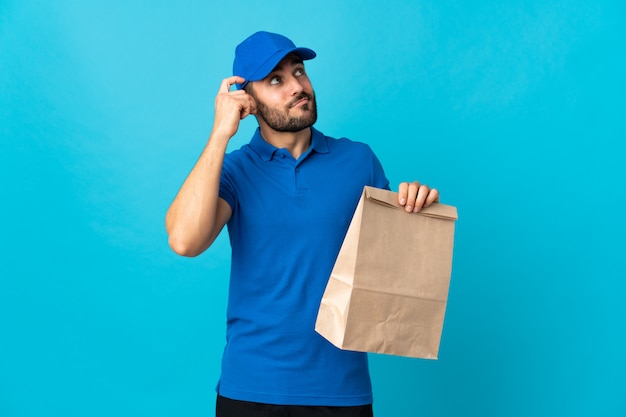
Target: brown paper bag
{"type": "Point", "coordinates": [388, 290]}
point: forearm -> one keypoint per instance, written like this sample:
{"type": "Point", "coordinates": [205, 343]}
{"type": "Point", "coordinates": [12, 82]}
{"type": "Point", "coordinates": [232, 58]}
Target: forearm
{"type": "Point", "coordinates": [197, 214]}
{"type": "Point", "coordinates": [192, 221]}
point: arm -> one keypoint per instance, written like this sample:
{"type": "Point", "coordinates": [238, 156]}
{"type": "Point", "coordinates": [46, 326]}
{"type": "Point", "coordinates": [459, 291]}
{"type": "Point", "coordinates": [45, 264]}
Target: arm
{"type": "Point", "coordinates": [413, 196]}
{"type": "Point", "coordinates": [197, 214]}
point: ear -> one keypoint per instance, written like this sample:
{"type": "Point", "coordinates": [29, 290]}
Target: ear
{"type": "Point", "coordinates": [252, 104]}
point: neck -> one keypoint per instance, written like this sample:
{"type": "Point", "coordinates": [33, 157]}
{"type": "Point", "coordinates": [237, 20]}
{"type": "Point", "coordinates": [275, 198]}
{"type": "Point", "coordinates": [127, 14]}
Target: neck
{"type": "Point", "coordinates": [296, 143]}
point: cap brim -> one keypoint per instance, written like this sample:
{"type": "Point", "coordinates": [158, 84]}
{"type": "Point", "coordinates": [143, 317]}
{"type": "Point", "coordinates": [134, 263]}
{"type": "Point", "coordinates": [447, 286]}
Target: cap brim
{"type": "Point", "coordinates": [273, 60]}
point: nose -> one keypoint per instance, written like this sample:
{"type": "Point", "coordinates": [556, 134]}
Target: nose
{"type": "Point", "coordinates": [295, 85]}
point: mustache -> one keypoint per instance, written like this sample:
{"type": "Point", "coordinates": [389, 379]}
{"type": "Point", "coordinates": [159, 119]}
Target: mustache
{"type": "Point", "coordinates": [300, 97]}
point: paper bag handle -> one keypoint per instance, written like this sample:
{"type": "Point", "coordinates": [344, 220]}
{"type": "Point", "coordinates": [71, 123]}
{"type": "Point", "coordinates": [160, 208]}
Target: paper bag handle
{"type": "Point", "coordinates": [390, 199]}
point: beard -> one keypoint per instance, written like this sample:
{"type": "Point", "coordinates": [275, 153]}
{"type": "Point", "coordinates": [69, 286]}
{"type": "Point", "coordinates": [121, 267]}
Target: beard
{"type": "Point", "coordinates": [280, 120]}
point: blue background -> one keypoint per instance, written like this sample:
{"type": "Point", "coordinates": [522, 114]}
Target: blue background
{"type": "Point", "coordinates": [514, 110]}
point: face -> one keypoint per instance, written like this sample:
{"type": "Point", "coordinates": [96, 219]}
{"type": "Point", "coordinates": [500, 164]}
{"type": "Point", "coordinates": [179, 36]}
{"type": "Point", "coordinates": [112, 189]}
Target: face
{"type": "Point", "coordinates": [285, 99]}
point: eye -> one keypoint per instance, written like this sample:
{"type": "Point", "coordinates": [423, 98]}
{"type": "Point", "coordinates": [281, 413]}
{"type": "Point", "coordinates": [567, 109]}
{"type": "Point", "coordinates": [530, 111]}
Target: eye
{"type": "Point", "coordinates": [274, 80]}
{"type": "Point", "coordinates": [299, 72]}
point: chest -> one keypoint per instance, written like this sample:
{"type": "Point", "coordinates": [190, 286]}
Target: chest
{"type": "Point", "coordinates": [317, 195]}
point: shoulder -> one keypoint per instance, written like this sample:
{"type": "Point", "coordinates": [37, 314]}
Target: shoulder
{"type": "Point", "coordinates": [237, 163]}
{"type": "Point", "coordinates": [355, 150]}
{"type": "Point", "coordinates": [348, 145]}
{"type": "Point", "coordinates": [238, 156]}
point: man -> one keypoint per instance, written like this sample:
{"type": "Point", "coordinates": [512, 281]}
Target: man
{"type": "Point", "coordinates": [288, 198]}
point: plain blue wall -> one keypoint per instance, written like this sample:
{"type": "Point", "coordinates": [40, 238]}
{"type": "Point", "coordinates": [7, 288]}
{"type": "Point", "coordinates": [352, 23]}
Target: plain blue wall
{"type": "Point", "coordinates": [514, 110]}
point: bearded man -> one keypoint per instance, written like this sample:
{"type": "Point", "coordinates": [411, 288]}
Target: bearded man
{"type": "Point", "coordinates": [287, 198]}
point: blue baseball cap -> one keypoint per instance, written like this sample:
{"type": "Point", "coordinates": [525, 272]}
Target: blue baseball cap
{"type": "Point", "coordinates": [259, 54]}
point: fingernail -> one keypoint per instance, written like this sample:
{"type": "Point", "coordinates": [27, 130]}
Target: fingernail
{"type": "Point", "coordinates": [409, 208]}
{"type": "Point", "coordinates": [403, 201]}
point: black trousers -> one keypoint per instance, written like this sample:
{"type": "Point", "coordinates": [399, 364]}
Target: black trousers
{"type": "Point", "coordinates": [225, 407]}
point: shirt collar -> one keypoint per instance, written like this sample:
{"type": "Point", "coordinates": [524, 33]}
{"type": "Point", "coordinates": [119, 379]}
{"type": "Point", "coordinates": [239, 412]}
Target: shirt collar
{"type": "Point", "coordinates": [266, 151]}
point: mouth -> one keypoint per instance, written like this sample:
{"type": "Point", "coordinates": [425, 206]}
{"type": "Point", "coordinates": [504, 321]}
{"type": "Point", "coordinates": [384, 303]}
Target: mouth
{"type": "Point", "coordinates": [300, 101]}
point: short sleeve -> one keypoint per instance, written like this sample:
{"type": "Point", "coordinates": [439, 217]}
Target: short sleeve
{"type": "Point", "coordinates": [379, 179]}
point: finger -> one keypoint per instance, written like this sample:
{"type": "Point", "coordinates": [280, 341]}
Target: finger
{"type": "Point", "coordinates": [420, 199]}
{"type": "Point", "coordinates": [411, 196]}
{"type": "Point", "coordinates": [228, 82]}
{"type": "Point", "coordinates": [403, 190]}
{"type": "Point", "coordinates": [433, 197]}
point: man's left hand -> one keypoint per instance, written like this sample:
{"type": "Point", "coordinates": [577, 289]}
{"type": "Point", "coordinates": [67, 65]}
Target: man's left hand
{"type": "Point", "coordinates": [414, 196]}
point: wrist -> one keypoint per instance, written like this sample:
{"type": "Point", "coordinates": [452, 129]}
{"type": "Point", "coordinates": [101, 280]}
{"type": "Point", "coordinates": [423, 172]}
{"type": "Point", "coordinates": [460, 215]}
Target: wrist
{"type": "Point", "coordinates": [219, 139]}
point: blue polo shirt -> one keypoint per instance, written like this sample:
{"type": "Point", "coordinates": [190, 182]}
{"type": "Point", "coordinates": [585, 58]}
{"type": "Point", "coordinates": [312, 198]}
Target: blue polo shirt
{"type": "Point", "coordinates": [289, 218]}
